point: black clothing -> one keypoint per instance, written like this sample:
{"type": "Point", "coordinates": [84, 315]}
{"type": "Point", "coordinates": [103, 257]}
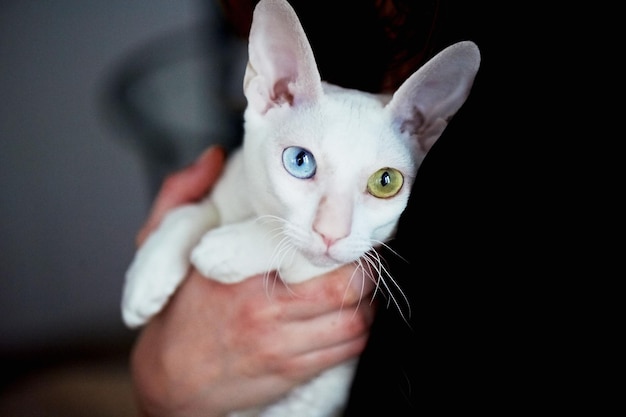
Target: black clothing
{"type": "Point", "coordinates": [494, 328]}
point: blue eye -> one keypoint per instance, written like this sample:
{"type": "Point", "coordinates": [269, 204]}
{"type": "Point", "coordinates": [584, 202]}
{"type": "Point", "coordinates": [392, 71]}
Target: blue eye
{"type": "Point", "coordinates": [299, 162]}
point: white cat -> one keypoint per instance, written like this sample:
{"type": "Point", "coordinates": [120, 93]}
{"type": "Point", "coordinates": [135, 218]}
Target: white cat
{"type": "Point", "coordinates": [320, 181]}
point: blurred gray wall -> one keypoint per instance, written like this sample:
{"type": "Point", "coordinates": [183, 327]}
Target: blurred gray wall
{"type": "Point", "coordinates": [72, 192]}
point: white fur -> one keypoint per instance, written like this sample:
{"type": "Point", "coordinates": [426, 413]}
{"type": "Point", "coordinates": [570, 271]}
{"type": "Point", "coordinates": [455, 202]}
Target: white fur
{"type": "Point", "coordinates": [260, 218]}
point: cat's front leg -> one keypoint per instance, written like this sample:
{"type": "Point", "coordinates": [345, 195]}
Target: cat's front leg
{"type": "Point", "coordinates": [161, 263]}
{"type": "Point", "coordinates": [233, 252]}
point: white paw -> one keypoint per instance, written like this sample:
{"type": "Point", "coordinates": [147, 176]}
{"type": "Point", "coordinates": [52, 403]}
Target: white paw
{"type": "Point", "coordinates": [217, 257]}
{"type": "Point", "coordinates": [162, 262]}
{"type": "Point", "coordinates": [151, 279]}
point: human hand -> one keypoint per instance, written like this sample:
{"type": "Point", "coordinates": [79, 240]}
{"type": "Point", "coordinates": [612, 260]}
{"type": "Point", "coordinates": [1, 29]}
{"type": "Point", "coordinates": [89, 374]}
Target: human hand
{"type": "Point", "coordinates": [220, 347]}
{"type": "Point", "coordinates": [185, 186]}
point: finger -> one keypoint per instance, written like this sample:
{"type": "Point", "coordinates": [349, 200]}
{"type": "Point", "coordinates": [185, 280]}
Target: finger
{"type": "Point", "coordinates": [311, 345]}
{"type": "Point", "coordinates": [328, 330]}
{"type": "Point", "coordinates": [343, 288]}
{"type": "Point", "coordinates": [309, 364]}
{"type": "Point", "coordinates": [183, 187]}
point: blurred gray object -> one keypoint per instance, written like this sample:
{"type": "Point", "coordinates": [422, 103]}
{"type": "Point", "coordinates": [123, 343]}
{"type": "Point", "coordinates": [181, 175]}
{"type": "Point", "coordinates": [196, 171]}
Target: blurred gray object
{"type": "Point", "coordinates": [179, 94]}
{"type": "Point", "coordinates": [99, 100]}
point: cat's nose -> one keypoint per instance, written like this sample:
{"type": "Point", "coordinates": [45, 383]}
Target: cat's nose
{"type": "Point", "coordinates": [333, 219]}
{"type": "Point", "coordinates": [332, 235]}
{"type": "Point", "coordinates": [328, 240]}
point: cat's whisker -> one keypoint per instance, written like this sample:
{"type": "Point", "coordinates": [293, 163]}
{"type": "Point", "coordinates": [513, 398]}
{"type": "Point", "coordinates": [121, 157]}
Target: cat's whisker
{"type": "Point", "coordinates": [386, 275]}
{"type": "Point", "coordinates": [376, 261]}
{"type": "Point", "coordinates": [283, 250]}
{"type": "Point", "coordinates": [359, 267]}
{"type": "Point", "coordinates": [278, 230]}
{"type": "Point", "coordinates": [373, 266]}
{"type": "Point", "coordinates": [386, 246]}
{"type": "Point", "coordinates": [366, 273]}
{"type": "Point", "coordinates": [283, 235]}
{"type": "Point", "coordinates": [268, 218]}
{"type": "Point", "coordinates": [270, 276]}
{"type": "Point", "coordinates": [368, 269]}
{"type": "Point", "coordinates": [276, 260]}
{"type": "Point", "coordinates": [281, 229]}
{"type": "Point", "coordinates": [296, 234]}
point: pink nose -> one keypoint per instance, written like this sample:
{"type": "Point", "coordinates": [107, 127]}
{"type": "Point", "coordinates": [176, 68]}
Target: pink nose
{"type": "Point", "coordinates": [333, 219]}
{"type": "Point", "coordinates": [328, 240]}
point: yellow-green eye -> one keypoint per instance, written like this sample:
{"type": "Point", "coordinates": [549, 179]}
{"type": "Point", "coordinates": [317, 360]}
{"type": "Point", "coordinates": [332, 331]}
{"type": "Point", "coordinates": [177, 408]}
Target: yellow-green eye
{"type": "Point", "coordinates": [385, 183]}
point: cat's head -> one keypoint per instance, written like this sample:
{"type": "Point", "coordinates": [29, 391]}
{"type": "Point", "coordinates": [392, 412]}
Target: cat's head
{"type": "Point", "coordinates": [337, 165]}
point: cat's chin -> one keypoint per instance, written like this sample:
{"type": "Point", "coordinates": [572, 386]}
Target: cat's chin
{"type": "Point", "coordinates": [325, 260]}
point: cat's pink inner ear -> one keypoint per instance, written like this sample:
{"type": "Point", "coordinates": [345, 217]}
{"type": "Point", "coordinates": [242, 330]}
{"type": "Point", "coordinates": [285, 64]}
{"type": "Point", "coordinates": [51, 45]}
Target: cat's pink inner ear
{"type": "Point", "coordinates": [281, 68]}
{"type": "Point", "coordinates": [426, 134]}
{"type": "Point", "coordinates": [429, 98]}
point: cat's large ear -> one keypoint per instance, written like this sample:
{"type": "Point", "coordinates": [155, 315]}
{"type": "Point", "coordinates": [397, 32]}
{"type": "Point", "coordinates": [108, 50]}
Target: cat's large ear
{"type": "Point", "coordinates": [427, 100]}
{"type": "Point", "coordinates": [281, 67]}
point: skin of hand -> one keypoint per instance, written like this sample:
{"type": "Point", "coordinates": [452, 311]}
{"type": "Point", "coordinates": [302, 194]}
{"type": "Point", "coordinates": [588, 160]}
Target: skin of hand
{"type": "Point", "coordinates": [219, 347]}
